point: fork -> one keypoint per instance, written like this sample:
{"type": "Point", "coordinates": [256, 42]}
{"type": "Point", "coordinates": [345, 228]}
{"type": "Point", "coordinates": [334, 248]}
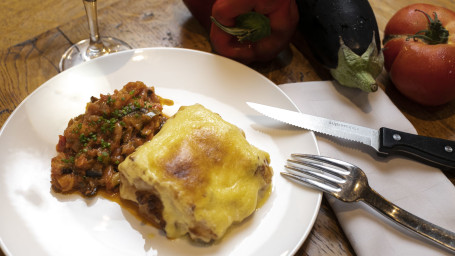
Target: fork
{"type": "Point", "coordinates": [349, 183]}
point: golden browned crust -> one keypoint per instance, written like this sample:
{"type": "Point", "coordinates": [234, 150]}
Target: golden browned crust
{"type": "Point", "coordinates": [197, 176]}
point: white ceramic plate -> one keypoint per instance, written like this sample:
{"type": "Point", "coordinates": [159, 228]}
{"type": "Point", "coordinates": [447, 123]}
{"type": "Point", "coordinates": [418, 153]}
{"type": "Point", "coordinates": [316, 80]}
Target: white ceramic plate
{"type": "Point", "coordinates": [36, 221]}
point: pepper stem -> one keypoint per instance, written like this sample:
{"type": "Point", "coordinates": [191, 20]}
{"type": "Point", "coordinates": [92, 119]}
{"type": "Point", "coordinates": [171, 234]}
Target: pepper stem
{"type": "Point", "coordinates": [251, 26]}
{"type": "Point", "coordinates": [435, 34]}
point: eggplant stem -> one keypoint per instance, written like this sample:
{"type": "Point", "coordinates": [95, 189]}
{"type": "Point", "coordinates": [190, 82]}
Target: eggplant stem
{"type": "Point", "coordinates": [359, 71]}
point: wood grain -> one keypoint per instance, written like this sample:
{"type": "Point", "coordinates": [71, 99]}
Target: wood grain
{"type": "Point", "coordinates": [35, 35]}
{"type": "Point", "coordinates": [20, 21]}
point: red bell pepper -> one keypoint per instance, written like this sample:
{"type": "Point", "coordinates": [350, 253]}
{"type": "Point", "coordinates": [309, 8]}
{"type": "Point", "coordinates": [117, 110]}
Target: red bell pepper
{"type": "Point", "coordinates": [247, 31]}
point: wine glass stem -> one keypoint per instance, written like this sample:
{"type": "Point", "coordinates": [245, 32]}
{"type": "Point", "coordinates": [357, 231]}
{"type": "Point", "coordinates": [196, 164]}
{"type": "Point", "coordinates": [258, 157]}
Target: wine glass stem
{"type": "Point", "coordinates": [96, 47]}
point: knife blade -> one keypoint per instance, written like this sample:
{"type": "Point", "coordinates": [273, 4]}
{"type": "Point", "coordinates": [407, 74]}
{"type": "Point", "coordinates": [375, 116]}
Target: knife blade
{"type": "Point", "coordinates": [432, 151]}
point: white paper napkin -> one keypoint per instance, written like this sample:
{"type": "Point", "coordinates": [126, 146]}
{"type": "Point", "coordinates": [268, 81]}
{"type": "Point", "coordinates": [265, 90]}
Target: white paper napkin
{"type": "Point", "coordinates": [422, 190]}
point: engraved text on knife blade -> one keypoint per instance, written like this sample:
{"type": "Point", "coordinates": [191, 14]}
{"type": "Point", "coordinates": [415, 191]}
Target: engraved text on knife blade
{"type": "Point", "coordinates": [330, 127]}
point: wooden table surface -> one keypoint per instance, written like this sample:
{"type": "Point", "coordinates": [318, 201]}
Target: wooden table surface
{"type": "Point", "coordinates": [35, 35]}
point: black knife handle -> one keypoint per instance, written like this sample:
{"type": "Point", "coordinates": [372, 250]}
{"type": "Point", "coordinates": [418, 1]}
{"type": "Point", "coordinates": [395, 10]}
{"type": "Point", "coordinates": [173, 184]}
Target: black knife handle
{"type": "Point", "coordinates": [433, 151]}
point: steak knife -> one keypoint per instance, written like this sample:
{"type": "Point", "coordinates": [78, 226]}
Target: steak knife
{"type": "Point", "coordinates": [432, 151]}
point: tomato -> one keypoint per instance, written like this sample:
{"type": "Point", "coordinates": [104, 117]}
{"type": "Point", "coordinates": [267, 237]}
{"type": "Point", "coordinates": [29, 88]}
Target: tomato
{"type": "Point", "coordinates": [419, 53]}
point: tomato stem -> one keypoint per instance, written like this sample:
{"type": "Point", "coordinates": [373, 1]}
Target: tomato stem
{"type": "Point", "coordinates": [435, 34]}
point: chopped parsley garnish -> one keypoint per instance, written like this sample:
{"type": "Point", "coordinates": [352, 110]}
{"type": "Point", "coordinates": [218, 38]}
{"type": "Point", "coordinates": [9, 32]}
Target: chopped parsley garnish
{"type": "Point", "coordinates": [84, 139]}
{"type": "Point", "coordinates": [105, 144]}
{"type": "Point", "coordinates": [77, 129]}
{"type": "Point", "coordinates": [108, 125]}
{"type": "Point", "coordinates": [103, 156]}
{"type": "Point", "coordinates": [110, 100]}
{"type": "Point", "coordinates": [68, 160]}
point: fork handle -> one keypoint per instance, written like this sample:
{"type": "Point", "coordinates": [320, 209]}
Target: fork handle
{"type": "Point", "coordinates": [408, 220]}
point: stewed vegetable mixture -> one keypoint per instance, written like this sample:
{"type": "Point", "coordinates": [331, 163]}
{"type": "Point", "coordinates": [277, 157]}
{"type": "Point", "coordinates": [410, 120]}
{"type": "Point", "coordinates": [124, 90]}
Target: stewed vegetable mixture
{"type": "Point", "coordinates": [94, 143]}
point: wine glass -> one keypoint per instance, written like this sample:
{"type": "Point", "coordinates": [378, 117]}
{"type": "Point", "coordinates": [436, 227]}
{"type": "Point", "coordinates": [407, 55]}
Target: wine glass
{"type": "Point", "coordinates": [93, 47]}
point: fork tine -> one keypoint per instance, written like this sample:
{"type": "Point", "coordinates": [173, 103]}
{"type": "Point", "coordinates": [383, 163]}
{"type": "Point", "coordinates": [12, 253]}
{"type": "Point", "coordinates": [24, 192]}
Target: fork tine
{"type": "Point", "coordinates": [313, 171]}
{"type": "Point", "coordinates": [356, 189]}
{"type": "Point", "coordinates": [318, 166]}
{"type": "Point", "coordinates": [331, 161]}
{"type": "Point", "coordinates": [319, 185]}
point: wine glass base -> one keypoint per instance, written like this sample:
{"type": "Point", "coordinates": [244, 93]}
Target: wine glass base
{"type": "Point", "coordinates": [77, 53]}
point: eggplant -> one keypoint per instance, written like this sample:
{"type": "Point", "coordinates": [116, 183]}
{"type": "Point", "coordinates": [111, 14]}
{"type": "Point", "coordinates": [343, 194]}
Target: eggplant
{"type": "Point", "coordinates": [343, 36]}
